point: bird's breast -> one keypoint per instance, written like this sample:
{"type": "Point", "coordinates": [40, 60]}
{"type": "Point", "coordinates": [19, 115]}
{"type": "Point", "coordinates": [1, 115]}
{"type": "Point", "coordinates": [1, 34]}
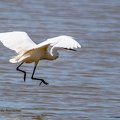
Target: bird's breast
{"type": "Point", "coordinates": [33, 56]}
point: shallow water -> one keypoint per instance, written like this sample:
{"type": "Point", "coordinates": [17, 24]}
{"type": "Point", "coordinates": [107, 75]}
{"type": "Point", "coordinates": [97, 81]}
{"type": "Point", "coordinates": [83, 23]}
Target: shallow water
{"type": "Point", "coordinates": [83, 85]}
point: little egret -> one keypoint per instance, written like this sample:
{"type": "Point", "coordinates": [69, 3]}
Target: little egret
{"type": "Point", "coordinates": [28, 52]}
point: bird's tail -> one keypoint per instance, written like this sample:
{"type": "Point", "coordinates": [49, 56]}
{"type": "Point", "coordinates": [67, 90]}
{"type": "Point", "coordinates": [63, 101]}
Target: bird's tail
{"type": "Point", "coordinates": [18, 58]}
{"type": "Point", "coordinates": [13, 60]}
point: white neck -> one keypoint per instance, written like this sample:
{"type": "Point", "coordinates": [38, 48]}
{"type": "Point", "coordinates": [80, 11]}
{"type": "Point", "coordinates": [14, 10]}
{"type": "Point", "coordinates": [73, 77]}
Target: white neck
{"type": "Point", "coordinates": [53, 54]}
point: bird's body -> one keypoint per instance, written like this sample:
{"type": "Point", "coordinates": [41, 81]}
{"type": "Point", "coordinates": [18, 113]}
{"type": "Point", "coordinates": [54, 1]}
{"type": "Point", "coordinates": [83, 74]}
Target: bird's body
{"type": "Point", "coordinates": [28, 52]}
{"type": "Point", "coordinates": [34, 55]}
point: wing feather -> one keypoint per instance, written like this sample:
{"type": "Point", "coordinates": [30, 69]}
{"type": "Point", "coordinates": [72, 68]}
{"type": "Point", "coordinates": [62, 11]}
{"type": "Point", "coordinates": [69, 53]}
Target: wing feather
{"type": "Point", "coordinates": [17, 41]}
{"type": "Point", "coordinates": [64, 42]}
{"type": "Point", "coordinates": [60, 42]}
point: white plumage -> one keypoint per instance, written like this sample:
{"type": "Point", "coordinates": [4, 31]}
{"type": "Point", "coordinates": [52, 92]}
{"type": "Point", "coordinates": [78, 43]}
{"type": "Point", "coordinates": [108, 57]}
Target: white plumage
{"type": "Point", "coordinates": [17, 41]}
{"type": "Point", "coordinates": [29, 52]}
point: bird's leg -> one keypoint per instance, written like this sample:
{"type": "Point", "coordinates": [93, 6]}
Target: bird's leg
{"type": "Point", "coordinates": [21, 71]}
{"type": "Point", "coordinates": [42, 81]}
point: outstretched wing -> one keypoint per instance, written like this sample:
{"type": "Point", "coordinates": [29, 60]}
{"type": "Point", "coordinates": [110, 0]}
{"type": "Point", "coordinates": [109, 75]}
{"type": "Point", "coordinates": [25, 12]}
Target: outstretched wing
{"type": "Point", "coordinates": [60, 42]}
{"type": "Point", "coordinates": [66, 42]}
{"type": "Point", "coordinates": [17, 41]}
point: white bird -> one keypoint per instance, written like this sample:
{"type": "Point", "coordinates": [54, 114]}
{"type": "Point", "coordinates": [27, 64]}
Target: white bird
{"type": "Point", "coordinates": [28, 52]}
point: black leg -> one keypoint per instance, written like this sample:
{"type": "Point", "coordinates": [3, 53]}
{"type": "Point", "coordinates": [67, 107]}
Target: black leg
{"type": "Point", "coordinates": [21, 71]}
{"type": "Point", "coordinates": [42, 81]}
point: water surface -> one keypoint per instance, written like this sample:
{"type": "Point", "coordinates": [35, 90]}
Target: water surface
{"type": "Point", "coordinates": [83, 85]}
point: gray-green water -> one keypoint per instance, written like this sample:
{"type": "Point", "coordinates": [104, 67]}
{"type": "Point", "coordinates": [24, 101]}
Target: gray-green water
{"type": "Point", "coordinates": [83, 85]}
